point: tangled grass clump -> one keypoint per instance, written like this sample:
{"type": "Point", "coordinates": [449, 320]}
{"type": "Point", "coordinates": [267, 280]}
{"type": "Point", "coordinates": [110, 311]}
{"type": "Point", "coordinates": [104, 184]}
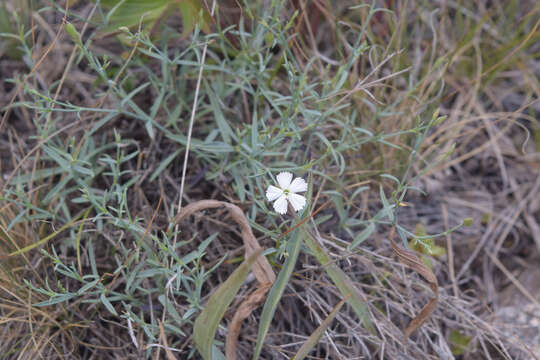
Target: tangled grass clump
{"type": "Point", "coordinates": [138, 144]}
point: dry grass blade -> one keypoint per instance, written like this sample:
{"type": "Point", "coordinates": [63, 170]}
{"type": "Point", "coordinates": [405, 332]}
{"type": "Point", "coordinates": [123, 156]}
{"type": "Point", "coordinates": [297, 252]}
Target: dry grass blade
{"type": "Point", "coordinates": [34, 68]}
{"type": "Point", "coordinates": [513, 279]}
{"type": "Point", "coordinates": [261, 268]}
{"type": "Point", "coordinates": [163, 339]}
{"type": "Point", "coordinates": [410, 259]}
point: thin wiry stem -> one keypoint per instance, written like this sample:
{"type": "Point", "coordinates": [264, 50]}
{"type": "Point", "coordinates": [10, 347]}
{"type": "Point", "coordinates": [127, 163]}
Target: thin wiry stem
{"type": "Point", "coordinates": [190, 130]}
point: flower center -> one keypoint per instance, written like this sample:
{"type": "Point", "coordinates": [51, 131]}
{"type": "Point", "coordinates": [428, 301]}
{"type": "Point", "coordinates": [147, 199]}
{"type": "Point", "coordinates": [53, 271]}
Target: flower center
{"type": "Point", "coordinates": [286, 192]}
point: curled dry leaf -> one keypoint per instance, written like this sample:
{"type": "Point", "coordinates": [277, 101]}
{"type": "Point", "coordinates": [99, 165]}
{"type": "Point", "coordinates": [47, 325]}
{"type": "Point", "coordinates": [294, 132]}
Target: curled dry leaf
{"type": "Point", "coordinates": [261, 268]}
{"type": "Point", "coordinates": [244, 310]}
{"type": "Point", "coordinates": [410, 259]}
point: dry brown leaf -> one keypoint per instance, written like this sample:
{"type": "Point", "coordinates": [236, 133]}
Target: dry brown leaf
{"type": "Point", "coordinates": [244, 310]}
{"type": "Point", "coordinates": [261, 268]}
{"type": "Point", "coordinates": [410, 259]}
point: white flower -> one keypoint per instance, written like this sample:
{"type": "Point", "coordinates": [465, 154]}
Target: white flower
{"type": "Point", "coordinates": [287, 190]}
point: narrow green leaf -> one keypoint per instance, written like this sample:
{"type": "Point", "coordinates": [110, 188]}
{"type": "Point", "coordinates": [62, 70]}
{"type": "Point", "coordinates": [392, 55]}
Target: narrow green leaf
{"type": "Point", "coordinates": [56, 299]}
{"type": "Point", "coordinates": [240, 186]}
{"type": "Point", "coordinates": [274, 296]}
{"type": "Point", "coordinates": [341, 280]}
{"type": "Point", "coordinates": [107, 304]}
{"type": "Point", "coordinates": [128, 97]}
{"type": "Point", "coordinates": [87, 287]}
{"type": "Point", "coordinates": [318, 333]}
{"type": "Point", "coordinates": [388, 210]}
{"type": "Point", "coordinates": [78, 240]}
{"type": "Point", "coordinates": [73, 33]}
{"type": "Point", "coordinates": [92, 258]}
{"type": "Point", "coordinates": [57, 188]}
{"type": "Point", "coordinates": [224, 129]}
{"type": "Point", "coordinates": [149, 129]}
{"type": "Point", "coordinates": [207, 322]}
{"type": "Point", "coordinates": [59, 157]}
{"type": "Point", "coordinates": [391, 177]}
{"type": "Point", "coordinates": [364, 234]}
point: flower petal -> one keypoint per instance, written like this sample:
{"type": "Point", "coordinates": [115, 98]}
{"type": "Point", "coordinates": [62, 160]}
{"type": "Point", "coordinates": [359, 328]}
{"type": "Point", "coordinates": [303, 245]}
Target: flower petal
{"type": "Point", "coordinates": [298, 185]}
{"type": "Point", "coordinates": [280, 205]}
{"type": "Point", "coordinates": [273, 193]}
{"type": "Point", "coordinates": [284, 179]}
{"type": "Point", "coordinates": [297, 201]}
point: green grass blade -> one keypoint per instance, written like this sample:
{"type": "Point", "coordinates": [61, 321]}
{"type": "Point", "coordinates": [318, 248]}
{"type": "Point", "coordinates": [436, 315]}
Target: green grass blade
{"type": "Point", "coordinates": [274, 296]}
{"type": "Point", "coordinates": [342, 281]}
{"type": "Point", "coordinates": [318, 333]}
{"type": "Point", "coordinates": [78, 240]}
{"type": "Point", "coordinates": [225, 129]}
{"type": "Point", "coordinates": [164, 164]}
{"type": "Point", "coordinates": [47, 238]}
{"type": "Point", "coordinates": [364, 234]}
{"type": "Point", "coordinates": [207, 322]}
